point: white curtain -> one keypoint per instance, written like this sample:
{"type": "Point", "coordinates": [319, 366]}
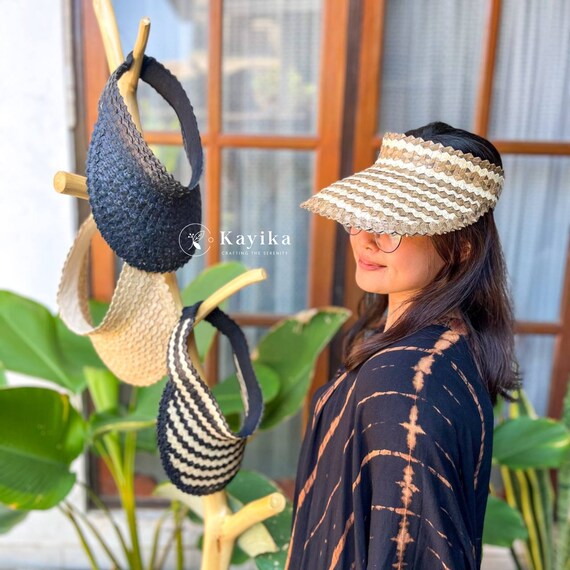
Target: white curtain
{"type": "Point", "coordinates": [432, 61]}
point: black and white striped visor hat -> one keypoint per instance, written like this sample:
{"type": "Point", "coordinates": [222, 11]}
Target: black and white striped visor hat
{"type": "Point", "coordinates": [198, 450]}
{"type": "Point", "coordinates": [415, 187]}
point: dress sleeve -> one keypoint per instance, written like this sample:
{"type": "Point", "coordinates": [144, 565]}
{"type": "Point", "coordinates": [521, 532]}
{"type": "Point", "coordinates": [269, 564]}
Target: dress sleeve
{"type": "Point", "coordinates": [409, 486]}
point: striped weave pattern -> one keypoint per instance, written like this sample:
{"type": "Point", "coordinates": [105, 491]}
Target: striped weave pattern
{"type": "Point", "coordinates": [415, 187]}
{"type": "Point", "coordinates": [199, 452]}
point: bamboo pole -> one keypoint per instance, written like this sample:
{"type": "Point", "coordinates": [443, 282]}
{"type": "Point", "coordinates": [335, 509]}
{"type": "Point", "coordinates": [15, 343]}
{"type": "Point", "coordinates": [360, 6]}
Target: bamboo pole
{"type": "Point", "coordinates": [221, 526]}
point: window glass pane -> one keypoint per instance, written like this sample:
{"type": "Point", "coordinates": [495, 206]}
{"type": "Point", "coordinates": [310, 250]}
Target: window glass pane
{"type": "Point", "coordinates": [536, 189]}
{"type": "Point", "coordinates": [274, 452]}
{"type": "Point", "coordinates": [431, 63]}
{"type": "Point", "coordinates": [532, 74]}
{"type": "Point", "coordinates": [261, 193]}
{"type": "Point", "coordinates": [270, 66]}
{"type": "Point", "coordinates": [535, 356]}
{"type": "Point", "coordinates": [179, 40]}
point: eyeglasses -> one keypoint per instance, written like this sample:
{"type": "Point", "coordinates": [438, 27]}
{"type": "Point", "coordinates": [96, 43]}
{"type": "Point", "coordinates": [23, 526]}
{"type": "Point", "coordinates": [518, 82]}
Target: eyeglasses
{"type": "Point", "coordinates": [385, 242]}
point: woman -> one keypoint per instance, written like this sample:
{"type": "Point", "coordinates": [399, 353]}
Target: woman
{"type": "Point", "coordinates": [395, 464]}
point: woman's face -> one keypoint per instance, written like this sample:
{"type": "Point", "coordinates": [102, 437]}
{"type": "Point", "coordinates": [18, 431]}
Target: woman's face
{"type": "Point", "coordinates": [413, 265]}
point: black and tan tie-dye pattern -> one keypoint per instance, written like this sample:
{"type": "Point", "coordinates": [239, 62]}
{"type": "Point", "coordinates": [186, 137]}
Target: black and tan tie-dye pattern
{"type": "Point", "coordinates": [395, 464]}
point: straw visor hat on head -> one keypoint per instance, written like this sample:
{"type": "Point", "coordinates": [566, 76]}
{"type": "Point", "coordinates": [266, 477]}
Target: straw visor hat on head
{"type": "Point", "coordinates": [415, 187]}
{"type": "Point", "coordinates": [139, 207]}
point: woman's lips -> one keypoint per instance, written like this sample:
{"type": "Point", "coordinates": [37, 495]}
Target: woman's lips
{"type": "Point", "coordinates": [369, 266]}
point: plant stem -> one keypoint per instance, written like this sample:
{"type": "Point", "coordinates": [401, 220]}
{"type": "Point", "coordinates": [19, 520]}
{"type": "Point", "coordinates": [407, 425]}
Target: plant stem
{"type": "Point", "coordinates": [165, 550]}
{"type": "Point", "coordinates": [515, 558]}
{"type": "Point", "coordinates": [128, 496]}
{"type": "Point", "coordinates": [97, 534]}
{"type": "Point", "coordinates": [159, 523]}
{"type": "Point", "coordinates": [106, 510]}
{"type": "Point", "coordinates": [179, 513]}
{"type": "Point", "coordinates": [67, 512]}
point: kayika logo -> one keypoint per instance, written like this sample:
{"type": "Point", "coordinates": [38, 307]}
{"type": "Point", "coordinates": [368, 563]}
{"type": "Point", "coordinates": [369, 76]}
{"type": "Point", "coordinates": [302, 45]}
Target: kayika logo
{"type": "Point", "coordinates": [196, 240]}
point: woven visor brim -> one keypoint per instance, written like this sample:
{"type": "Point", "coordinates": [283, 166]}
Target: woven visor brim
{"type": "Point", "coordinates": [132, 339]}
{"type": "Point", "coordinates": [399, 202]}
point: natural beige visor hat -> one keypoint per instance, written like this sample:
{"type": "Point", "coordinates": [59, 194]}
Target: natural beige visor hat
{"type": "Point", "coordinates": [415, 187]}
{"type": "Point", "coordinates": [132, 339]}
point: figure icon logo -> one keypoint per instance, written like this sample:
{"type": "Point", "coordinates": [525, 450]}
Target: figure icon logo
{"type": "Point", "coordinates": [190, 238]}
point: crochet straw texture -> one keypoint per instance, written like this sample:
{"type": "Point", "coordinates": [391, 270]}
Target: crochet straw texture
{"type": "Point", "coordinates": [133, 336]}
{"type": "Point", "coordinates": [139, 207]}
{"type": "Point", "coordinates": [415, 187]}
{"type": "Point", "coordinates": [199, 452]}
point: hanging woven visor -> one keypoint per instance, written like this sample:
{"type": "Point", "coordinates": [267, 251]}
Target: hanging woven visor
{"type": "Point", "coordinates": [199, 452]}
{"type": "Point", "coordinates": [140, 209]}
{"type": "Point", "coordinates": [133, 336]}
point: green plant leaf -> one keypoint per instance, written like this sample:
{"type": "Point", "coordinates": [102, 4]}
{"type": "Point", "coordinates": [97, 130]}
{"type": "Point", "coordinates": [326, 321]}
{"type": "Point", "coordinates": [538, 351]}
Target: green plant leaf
{"type": "Point", "coordinates": [9, 518]}
{"type": "Point", "coordinates": [291, 348]}
{"type": "Point", "coordinates": [103, 387]}
{"type": "Point", "coordinates": [248, 486]}
{"type": "Point", "coordinates": [40, 435]}
{"type": "Point", "coordinates": [3, 378]}
{"type": "Point", "coordinates": [105, 422]}
{"type": "Point", "coordinates": [114, 418]}
{"type": "Point", "coordinates": [526, 442]}
{"type": "Point", "coordinates": [77, 350]}
{"type": "Point", "coordinates": [167, 490]}
{"type": "Point", "coordinates": [534, 496]}
{"type": "Point", "coordinates": [30, 344]}
{"type": "Point", "coordinates": [503, 524]}
{"type": "Point", "coordinates": [255, 540]}
{"type": "Point", "coordinates": [228, 393]}
{"type": "Point", "coordinates": [208, 282]}
{"type": "Point", "coordinates": [148, 399]}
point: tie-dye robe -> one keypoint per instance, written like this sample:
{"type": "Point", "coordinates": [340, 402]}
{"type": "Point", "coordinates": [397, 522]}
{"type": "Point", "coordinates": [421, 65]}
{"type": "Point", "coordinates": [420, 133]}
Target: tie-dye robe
{"type": "Point", "coordinates": [395, 463]}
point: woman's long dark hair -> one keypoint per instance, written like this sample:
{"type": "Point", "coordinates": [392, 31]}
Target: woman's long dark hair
{"type": "Point", "coordinates": [473, 280]}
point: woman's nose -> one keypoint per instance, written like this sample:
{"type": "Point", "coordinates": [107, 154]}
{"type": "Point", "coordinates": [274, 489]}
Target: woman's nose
{"type": "Point", "coordinates": [367, 239]}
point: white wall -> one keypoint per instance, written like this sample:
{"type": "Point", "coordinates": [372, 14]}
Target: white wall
{"type": "Point", "coordinates": [37, 227]}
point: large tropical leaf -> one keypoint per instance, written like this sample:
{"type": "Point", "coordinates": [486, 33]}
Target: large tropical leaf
{"type": "Point", "coordinates": [40, 435]}
{"type": "Point", "coordinates": [248, 486]}
{"type": "Point", "coordinates": [525, 473]}
{"type": "Point", "coordinates": [111, 416]}
{"type": "Point", "coordinates": [103, 388]}
{"type": "Point", "coordinates": [9, 518]}
{"type": "Point", "coordinates": [503, 524]}
{"type": "Point", "coordinates": [204, 285]}
{"type": "Point", "coordinates": [291, 348]}
{"type": "Point", "coordinates": [228, 393]}
{"type": "Point", "coordinates": [30, 342]}
{"type": "Point", "coordinates": [525, 442]}
{"type": "Point", "coordinates": [562, 547]}
{"type": "Point", "coordinates": [148, 399]}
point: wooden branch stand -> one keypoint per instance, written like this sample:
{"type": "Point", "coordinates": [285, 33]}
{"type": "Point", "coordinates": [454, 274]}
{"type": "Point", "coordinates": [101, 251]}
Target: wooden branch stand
{"type": "Point", "coordinates": [221, 526]}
